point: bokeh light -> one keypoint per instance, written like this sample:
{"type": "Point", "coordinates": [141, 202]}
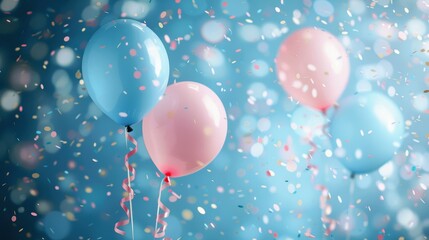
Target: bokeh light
{"type": "Point", "coordinates": [9, 100]}
{"type": "Point", "coordinates": [8, 5]}
{"type": "Point", "coordinates": [25, 155]}
{"type": "Point", "coordinates": [39, 51]}
{"type": "Point", "coordinates": [56, 225]}
{"type": "Point", "coordinates": [135, 9]}
{"type": "Point", "coordinates": [90, 13]}
{"type": "Point", "coordinates": [420, 102]}
{"type": "Point", "coordinates": [323, 8]}
{"type": "Point", "coordinates": [250, 33]}
{"type": "Point", "coordinates": [357, 7]}
{"type": "Point", "coordinates": [65, 57]}
{"type": "Point", "coordinates": [24, 78]}
{"type": "Point", "coordinates": [213, 31]}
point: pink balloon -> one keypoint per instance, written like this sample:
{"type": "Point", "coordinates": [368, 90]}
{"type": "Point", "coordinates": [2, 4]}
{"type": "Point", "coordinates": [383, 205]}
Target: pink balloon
{"type": "Point", "coordinates": [313, 67]}
{"type": "Point", "coordinates": [186, 129]}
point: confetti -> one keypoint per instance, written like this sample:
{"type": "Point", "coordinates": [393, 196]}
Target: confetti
{"type": "Point", "coordinates": [281, 162]}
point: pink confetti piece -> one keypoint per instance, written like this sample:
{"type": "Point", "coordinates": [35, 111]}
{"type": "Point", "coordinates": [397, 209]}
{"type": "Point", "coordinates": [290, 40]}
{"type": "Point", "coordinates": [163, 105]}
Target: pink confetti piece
{"type": "Point", "coordinates": [402, 36]}
{"type": "Point", "coordinates": [167, 38]}
{"type": "Point", "coordinates": [137, 74]}
{"type": "Point", "coordinates": [173, 45]}
{"type": "Point", "coordinates": [309, 234]}
{"type": "Point", "coordinates": [270, 173]}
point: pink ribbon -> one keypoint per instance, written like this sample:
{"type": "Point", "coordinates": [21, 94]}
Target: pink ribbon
{"type": "Point", "coordinates": [126, 185]}
{"type": "Point", "coordinates": [160, 232]}
{"type": "Point", "coordinates": [324, 196]}
{"type": "Point", "coordinates": [160, 217]}
{"type": "Point", "coordinates": [313, 168]}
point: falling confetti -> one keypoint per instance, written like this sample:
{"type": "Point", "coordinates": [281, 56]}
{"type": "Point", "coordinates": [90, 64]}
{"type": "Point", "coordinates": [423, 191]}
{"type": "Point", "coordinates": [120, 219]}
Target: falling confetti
{"type": "Point", "coordinates": [276, 177]}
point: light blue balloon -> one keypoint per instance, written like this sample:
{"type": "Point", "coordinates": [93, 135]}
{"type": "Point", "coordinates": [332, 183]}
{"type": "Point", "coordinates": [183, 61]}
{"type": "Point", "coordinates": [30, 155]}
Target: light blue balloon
{"type": "Point", "coordinates": [370, 128]}
{"type": "Point", "coordinates": [126, 69]}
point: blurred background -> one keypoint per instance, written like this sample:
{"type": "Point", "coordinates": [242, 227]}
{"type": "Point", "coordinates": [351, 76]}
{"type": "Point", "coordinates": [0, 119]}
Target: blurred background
{"type": "Point", "coordinates": [62, 159]}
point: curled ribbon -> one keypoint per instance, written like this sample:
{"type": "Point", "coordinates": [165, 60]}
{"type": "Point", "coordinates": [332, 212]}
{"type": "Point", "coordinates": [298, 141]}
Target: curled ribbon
{"type": "Point", "coordinates": [313, 168]}
{"type": "Point", "coordinates": [324, 196]}
{"type": "Point", "coordinates": [160, 217]}
{"type": "Point", "coordinates": [326, 209]}
{"type": "Point", "coordinates": [126, 185]}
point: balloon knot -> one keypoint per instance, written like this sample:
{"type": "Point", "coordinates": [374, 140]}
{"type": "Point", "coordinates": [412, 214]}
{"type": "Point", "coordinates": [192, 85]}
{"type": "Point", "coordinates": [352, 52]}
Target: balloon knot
{"type": "Point", "coordinates": [129, 128]}
{"type": "Point", "coordinates": [167, 179]}
{"type": "Point", "coordinates": [352, 175]}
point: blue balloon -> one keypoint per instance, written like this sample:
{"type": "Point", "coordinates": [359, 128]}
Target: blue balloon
{"type": "Point", "coordinates": [369, 128]}
{"type": "Point", "coordinates": [126, 69]}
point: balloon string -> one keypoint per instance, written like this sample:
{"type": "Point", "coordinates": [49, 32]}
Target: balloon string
{"type": "Point", "coordinates": [351, 194]}
{"type": "Point", "coordinates": [160, 217]}
{"type": "Point", "coordinates": [126, 185]}
{"type": "Point", "coordinates": [324, 196]}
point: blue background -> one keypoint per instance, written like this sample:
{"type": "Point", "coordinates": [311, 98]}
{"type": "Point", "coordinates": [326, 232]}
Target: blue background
{"type": "Point", "coordinates": [71, 182]}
